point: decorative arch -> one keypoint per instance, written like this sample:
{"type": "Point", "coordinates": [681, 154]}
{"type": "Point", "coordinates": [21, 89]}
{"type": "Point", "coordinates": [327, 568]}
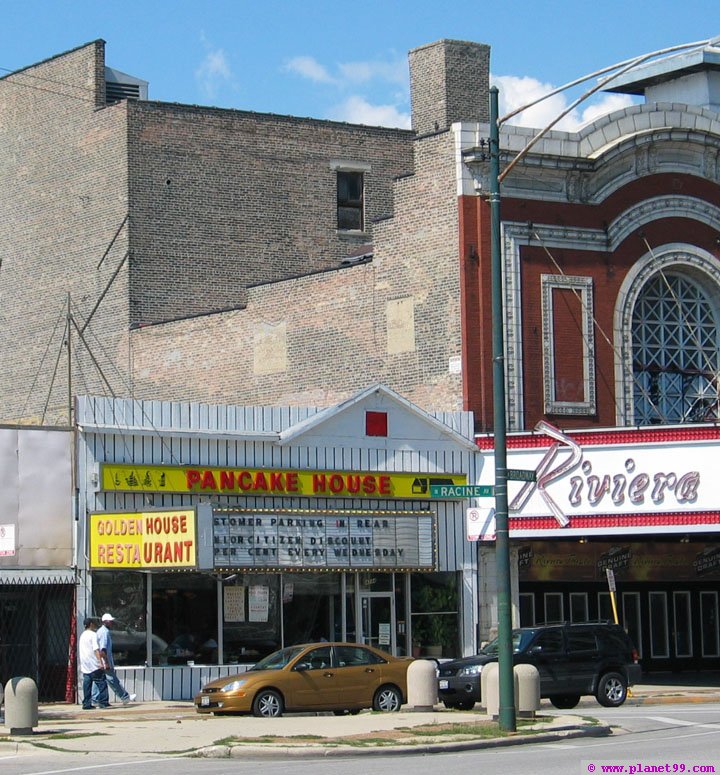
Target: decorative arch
{"type": "Point", "coordinates": [682, 260]}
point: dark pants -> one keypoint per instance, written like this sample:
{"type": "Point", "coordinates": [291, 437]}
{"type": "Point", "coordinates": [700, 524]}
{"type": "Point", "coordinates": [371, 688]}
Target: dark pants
{"type": "Point", "coordinates": [114, 683]}
{"type": "Point", "coordinates": [97, 677]}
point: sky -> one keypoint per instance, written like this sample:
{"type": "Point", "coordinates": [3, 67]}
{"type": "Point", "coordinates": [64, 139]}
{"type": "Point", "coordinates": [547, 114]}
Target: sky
{"type": "Point", "coordinates": [345, 62]}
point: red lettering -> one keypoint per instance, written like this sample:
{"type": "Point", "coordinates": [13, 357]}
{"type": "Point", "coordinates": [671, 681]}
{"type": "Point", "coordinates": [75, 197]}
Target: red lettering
{"type": "Point", "coordinates": [192, 477]}
{"type": "Point", "coordinates": [227, 480]}
{"type": "Point", "coordinates": [208, 481]}
{"type": "Point", "coordinates": [368, 484]}
{"type": "Point", "coordinates": [385, 488]}
{"type": "Point", "coordinates": [276, 481]}
{"type": "Point", "coordinates": [183, 523]}
{"type": "Point", "coordinates": [101, 554]}
{"type": "Point", "coordinates": [158, 552]}
{"type": "Point", "coordinates": [148, 553]}
{"type": "Point", "coordinates": [260, 481]}
{"type": "Point", "coordinates": [353, 483]}
{"type": "Point", "coordinates": [245, 480]}
{"type": "Point", "coordinates": [337, 484]}
{"type": "Point", "coordinates": [291, 482]}
{"type": "Point", "coordinates": [318, 483]}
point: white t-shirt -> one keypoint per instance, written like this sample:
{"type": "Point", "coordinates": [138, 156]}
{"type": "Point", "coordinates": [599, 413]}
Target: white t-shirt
{"type": "Point", "coordinates": [87, 646]}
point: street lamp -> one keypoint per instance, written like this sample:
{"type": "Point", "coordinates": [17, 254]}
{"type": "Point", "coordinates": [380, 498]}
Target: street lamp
{"type": "Point", "coordinates": [506, 714]}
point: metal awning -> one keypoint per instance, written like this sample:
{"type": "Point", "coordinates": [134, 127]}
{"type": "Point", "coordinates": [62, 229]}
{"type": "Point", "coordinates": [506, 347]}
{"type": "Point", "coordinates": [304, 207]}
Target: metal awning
{"type": "Point", "coordinates": [37, 576]}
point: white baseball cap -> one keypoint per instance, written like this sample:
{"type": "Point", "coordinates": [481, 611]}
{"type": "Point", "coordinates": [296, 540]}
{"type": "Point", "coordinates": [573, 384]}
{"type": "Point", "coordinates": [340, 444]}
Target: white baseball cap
{"type": "Point", "coordinates": [108, 618]}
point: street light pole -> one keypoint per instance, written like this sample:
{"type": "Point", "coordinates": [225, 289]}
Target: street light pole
{"type": "Point", "coordinates": [506, 715]}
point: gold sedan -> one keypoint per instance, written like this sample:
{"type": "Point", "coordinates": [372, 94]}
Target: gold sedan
{"type": "Point", "coordinates": [317, 676]}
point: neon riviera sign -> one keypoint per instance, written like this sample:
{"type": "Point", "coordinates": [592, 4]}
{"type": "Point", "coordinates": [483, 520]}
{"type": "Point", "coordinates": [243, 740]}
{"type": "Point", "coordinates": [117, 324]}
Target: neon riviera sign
{"type": "Point", "coordinates": [613, 482]}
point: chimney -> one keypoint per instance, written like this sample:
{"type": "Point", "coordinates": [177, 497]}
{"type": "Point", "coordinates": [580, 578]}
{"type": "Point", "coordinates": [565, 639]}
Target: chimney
{"type": "Point", "coordinates": [449, 81]}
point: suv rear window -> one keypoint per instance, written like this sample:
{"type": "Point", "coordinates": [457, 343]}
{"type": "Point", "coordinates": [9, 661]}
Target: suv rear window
{"type": "Point", "coordinates": [584, 640]}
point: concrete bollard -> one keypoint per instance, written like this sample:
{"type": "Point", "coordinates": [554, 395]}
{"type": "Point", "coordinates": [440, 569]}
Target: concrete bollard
{"type": "Point", "coordinates": [490, 689]}
{"type": "Point", "coordinates": [421, 685]}
{"type": "Point", "coordinates": [21, 706]}
{"type": "Point", "coordinates": [527, 690]}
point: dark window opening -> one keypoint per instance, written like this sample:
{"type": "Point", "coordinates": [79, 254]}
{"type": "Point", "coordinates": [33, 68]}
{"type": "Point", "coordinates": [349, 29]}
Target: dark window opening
{"type": "Point", "coordinates": [350, 201]}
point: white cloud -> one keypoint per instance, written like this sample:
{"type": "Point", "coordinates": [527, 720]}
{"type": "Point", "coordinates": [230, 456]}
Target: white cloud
{"type": "Point", "coordinates": [310, 68]}
{"type": "Point", "coordinates": [357, 110]}
{"type": "Point", "coordinates": [361, 72]}
{"type": "Point", "coordinates": [518, 91]}
{"type": "Point", "coordinates": [608, 104]}
{"type": "Point", "coordinates": [213, 72]}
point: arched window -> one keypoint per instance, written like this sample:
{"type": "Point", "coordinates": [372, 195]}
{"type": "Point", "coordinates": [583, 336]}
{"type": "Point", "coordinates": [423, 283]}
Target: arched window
{"type": "Point", "coordinates": [675, 339]}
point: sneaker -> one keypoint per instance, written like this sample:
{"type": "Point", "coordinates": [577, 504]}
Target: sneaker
{"type": "Point", "coordinates": [129, 698]}
{"type": "Point", "coordinates": [105, 706]}
{"type": "Point", "coordinates": [88, 707]}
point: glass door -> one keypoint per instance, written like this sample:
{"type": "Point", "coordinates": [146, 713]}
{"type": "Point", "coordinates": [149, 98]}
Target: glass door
{"type": "Point", "coordinates": [378, 620]}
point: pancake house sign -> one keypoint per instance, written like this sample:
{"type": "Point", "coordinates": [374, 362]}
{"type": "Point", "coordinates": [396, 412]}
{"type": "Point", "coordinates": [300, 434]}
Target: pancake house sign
{"type": "Point", "coordinates": [274, 482]}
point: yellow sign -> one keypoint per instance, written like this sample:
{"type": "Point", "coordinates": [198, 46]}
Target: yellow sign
{"type": "Point", "coordinates": [279, 482]}
{"type": "Point", "coordinates": [152, 539]}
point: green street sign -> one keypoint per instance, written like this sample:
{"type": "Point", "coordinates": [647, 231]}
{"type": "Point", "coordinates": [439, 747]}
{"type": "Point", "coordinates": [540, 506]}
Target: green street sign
{"type": "Point", "coordinates": [461, 491]}
{"type": "Point", "coordinates": [521, 475]}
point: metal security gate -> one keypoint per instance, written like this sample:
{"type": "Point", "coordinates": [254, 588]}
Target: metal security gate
{"type": "Point", "coordinates": [35, 636]}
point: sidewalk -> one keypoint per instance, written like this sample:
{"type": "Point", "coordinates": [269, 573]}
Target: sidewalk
{"type": "Point", "coordinates": [164, 728]}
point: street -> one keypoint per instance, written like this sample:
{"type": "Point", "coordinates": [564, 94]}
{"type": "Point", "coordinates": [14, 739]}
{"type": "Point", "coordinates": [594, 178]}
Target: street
{"type": "Point", "coordinates": [674, 737]}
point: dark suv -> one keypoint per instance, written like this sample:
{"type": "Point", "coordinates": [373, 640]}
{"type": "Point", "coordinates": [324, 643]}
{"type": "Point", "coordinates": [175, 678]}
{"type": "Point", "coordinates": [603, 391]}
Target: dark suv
{"type": "Point", "coordinates": [572, 659]}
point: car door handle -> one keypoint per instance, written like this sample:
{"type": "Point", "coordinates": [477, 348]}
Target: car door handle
{"type": "Point", "coordinates": [328, 675]}
{"type": "Point", "coordinates": [369, 669]}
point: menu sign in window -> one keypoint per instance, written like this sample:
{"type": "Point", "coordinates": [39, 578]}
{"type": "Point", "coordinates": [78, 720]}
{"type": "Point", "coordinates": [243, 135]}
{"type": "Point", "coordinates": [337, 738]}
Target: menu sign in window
{"type": "Point", "coordinates": [338, 540]}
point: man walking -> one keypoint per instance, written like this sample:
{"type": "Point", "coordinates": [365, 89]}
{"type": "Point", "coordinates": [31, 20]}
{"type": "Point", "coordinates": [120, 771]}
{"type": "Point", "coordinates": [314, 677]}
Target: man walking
{"type": "Point", "coordinates": [105, 643]}
{"type": "Point", "coordinates": [91, 667]}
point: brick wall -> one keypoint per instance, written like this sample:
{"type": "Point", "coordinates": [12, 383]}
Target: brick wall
{"type": "Point", "coordinates": [449, 82]}
{"type": "Point", "coordinates": [318, 339]}
{"type": "Point", "coordinates": [63, 195]}
{"type": "Point", "coordinates": [223, 199]}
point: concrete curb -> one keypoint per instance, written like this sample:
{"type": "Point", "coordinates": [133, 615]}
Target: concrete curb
{"type": "Point", "coordinates": [330, 750]}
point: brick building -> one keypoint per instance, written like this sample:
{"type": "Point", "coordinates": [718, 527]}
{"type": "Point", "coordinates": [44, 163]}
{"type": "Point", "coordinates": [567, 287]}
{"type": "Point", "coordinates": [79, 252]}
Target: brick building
{"type": "Point", "coordinates": [143, 212]}
{"type": "Point", "coordinates": [231, 257]}
{"type": "Point", "coordinates": [222, 255]}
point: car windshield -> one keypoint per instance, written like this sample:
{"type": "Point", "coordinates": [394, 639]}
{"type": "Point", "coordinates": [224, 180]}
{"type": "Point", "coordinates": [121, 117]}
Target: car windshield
{"type": "Point", "coordinates": [520, 640]}
{"type": "Point", "coordinates": [278, 659]}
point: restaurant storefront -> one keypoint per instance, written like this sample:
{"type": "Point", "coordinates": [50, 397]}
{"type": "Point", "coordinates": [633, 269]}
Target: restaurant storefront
{"type": "Point", "coordinates": [214, 546]}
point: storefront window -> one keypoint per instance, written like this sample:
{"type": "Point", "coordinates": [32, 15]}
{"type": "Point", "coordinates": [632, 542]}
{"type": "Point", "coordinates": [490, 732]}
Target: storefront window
{"type": "Point", "coordinates": [124, 596]}
{"type": "Point", "coordinates": [184, 612]}
{"type": "Point", "coordinates": [309, 608]}
{"type": "Point", "coordinates": [435, 614]}
{"type": "Point", "coordinates": [251, 617]}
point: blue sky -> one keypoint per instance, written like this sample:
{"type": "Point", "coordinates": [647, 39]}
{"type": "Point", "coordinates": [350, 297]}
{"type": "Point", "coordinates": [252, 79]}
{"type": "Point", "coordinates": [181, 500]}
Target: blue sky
{"type": "Point", "coordinates": [346, 61]}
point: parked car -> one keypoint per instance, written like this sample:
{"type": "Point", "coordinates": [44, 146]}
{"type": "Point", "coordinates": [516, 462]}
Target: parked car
{"type": "Point", "coordinates": [342, 677]}
{"type": "Point", "coordinates": [573, 660]}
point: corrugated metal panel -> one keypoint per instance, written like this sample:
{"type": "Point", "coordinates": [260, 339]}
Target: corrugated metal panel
{"type": "Point", "coordinates": [172, 683]}
{"type": "Point", "coordinates": [454, 551]}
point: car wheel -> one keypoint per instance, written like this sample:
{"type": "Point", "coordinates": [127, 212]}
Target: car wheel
{"type": "Point", "coordinates": [611, 690]}
{"type": "Point", "coordinates": [387, 699]}
{"type": "Point", "coordinates": [565, 701]}
{"type": "Point", "coordinates": [268, 704]}
{"type": "Point", "coordinates": [460, 705]}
